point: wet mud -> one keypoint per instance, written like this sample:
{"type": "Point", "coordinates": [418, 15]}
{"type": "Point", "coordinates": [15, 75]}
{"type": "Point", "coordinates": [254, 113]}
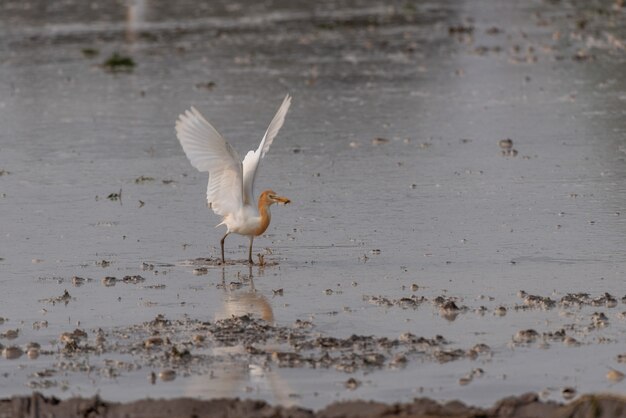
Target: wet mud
{"type": "Point", "coordinates": [525, 406]}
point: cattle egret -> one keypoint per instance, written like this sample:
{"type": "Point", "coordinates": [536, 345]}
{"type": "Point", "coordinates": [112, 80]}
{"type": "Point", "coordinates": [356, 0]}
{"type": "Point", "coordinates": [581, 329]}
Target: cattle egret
{"type": "Point", "coordinates": [230, 192]}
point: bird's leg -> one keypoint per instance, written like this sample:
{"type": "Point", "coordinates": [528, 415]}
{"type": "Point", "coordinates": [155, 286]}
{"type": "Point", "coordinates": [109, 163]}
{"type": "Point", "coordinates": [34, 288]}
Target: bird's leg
{"type": "Point", "coordinates": [222, 242]}
{"type": "Point", "coordinates": [250, 251]}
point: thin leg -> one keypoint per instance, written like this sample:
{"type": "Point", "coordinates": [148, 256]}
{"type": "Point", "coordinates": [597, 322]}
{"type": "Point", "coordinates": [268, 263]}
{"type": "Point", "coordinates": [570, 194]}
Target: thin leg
{"type": "Point", "coordinates": [222, 242]}
{"type": "Point", "coordinates": [250, 251]}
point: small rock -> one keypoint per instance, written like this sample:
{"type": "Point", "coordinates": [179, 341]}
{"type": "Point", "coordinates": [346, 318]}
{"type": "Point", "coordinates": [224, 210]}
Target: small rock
{"type": "Point", "coordinates": [13, 352]}
{"type": "Point", "coordinates": [10, 334]}
{"type": "Point", "coordinates": [525, 336]}
{"type": "Point", "coordinates": [599, 320]}
{"type": "Point", "coordinates": [506, 144]}
{"type": "Point", "coordinates": [379, 141]}
{"type": "Point", "coordinates": [33, 353]}
{"type": "Point", "coordinates": [615, 375]}
{"type": "Point", "coordinates": [167, 375]}
{"type": "Point", "coordinates": [133, 279]}
{"type": "Point", "coordinates": [500, 311]}
{"type": "Point", "coordinates": [399, 360]}
{"type": "Point", "coordinates": [153, 342]}
{"type": "Point", "coordinates": [568, 393]}
{"type": "Point", "coordinates": [352, 383]}
{"type": "Point", "coordinates": [109, 281]}
{"type": "Point", "coordinates": [465, 380]}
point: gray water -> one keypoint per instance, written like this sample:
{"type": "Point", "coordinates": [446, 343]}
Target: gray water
{"type": "Point", "coordinates": [436, 205]}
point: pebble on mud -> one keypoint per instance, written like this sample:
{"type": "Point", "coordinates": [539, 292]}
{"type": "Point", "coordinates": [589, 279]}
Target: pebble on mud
{"type": "Point", "coordinates": [568, 393]}
{"type": "Point", "coordinates": [153, 342]}
{"type": "Point", "coordinates": [399, 360]}
{"type": "Point", "coordinates": [477, 350]}
{"type": "Point", "coordinates": [525, 336]}
{"type": "Point", "coordinates": [506, 144]}
{"type": "Point", "coordinates": [167, 375]}
{"type": "Point", "coordinates": [73, 338]}
{"type": "Point", "coordinates": [599, 320]}
{"type": "Point", "coordinates": [33, 353]}
{"type": "Point", "coordinates": [109, 281]}
{"type": "Point", "coordinates": [465, 380]}
{"type": "Point", "coordinates": [10, 334]}
{"type": "Point", "coordinates": [352, 383]}
{"type": "Point", "coordinates": [13, 352]}
{"type": "Point", "coordinates": [133, 279]}
{"type": "Point", "coordinates": [534, 301]}
{"type": "Point", "coordinates": [615, 375]}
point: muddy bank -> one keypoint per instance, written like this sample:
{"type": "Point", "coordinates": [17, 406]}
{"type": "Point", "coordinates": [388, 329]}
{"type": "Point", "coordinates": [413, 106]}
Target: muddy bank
{"type": "Point", "coordinates": [525, 406]}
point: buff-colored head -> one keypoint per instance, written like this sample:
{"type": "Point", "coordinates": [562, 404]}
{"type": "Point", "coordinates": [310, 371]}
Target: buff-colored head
{"type": "Point", "coordinates": [269, 197]}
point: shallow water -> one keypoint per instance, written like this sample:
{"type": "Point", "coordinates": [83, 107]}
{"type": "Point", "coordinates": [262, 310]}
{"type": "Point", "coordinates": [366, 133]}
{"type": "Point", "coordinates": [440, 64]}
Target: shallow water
{"type": "Point", "coordinates": [437, 205]}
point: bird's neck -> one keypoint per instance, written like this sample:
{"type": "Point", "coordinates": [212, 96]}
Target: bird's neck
{"type": "Point", "coordinates": [264, 211]}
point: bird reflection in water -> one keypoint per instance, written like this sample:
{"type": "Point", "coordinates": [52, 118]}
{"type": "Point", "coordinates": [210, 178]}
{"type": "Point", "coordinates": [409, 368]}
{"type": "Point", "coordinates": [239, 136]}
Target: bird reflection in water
{"type": "Point", "coordinates": [233, 374]}
{"type": "Point", "coordinates": [241, 298]}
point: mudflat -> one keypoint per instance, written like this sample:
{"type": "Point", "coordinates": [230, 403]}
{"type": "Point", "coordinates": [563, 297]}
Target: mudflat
{"type": "Point", "coordinates": [456, 171]}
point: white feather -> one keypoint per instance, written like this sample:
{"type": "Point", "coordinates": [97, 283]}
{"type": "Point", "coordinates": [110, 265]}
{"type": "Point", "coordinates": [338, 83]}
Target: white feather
{"type": "Point", "coordinates": [252, 159]}
{"type": "Point", "coordinates": [208, 151]}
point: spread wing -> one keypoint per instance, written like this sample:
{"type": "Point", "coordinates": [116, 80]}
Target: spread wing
{"type": "Point", "coordinates": [208, 151]}
{"type": "Point", "coordinates": [251, 162]}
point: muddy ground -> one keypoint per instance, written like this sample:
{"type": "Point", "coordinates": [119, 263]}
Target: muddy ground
{"type": "Point", "coordinates": [525, 406]}
{"type": "Point", "coordinates": [457, 177]}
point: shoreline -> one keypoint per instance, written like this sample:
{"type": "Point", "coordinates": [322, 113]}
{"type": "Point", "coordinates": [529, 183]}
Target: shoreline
{"type": "Point", "coordinates": [524, 406]}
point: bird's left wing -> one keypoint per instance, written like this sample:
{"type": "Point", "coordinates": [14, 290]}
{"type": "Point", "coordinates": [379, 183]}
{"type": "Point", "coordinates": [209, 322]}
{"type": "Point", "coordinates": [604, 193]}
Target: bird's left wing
{"type": "Point", "coordinates": [252, 159]}
{"type": "Point", "coordinates": [208, 151]}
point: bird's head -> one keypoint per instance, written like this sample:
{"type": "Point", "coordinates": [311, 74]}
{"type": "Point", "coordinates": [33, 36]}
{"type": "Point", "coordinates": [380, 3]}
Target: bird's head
{"type": "Point", "coordinates": [270, 197]}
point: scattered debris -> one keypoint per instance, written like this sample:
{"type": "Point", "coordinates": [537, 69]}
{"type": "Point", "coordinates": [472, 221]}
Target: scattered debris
{"type": "Point", "coordinates": [65, 298]}
{"type": "Point", "coordinates": [115, 196]}
{"type": "Point", "coordinates": [209, 85]}
{"type": "Point", "coordinates": [117, 63]}
{"type": "Point", "coordinates": [143, 179]}
{"type": "Point", "coordinates": [89, 52]}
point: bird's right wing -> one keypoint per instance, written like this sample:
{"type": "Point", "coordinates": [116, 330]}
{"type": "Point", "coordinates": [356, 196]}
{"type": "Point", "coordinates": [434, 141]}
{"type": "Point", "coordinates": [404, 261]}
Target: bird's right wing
{"type": "Point", "coordinates": [252, 159]}
{"type": "Point", "coordinates": [208, 151]}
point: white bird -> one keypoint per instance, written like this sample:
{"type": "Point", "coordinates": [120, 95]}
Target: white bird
{"type": "Point", "coordinates": [230, 192]}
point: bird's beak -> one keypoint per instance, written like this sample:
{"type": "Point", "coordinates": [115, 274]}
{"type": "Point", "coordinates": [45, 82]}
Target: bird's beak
{"type": "Point", "coordinates": [282, 200]}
